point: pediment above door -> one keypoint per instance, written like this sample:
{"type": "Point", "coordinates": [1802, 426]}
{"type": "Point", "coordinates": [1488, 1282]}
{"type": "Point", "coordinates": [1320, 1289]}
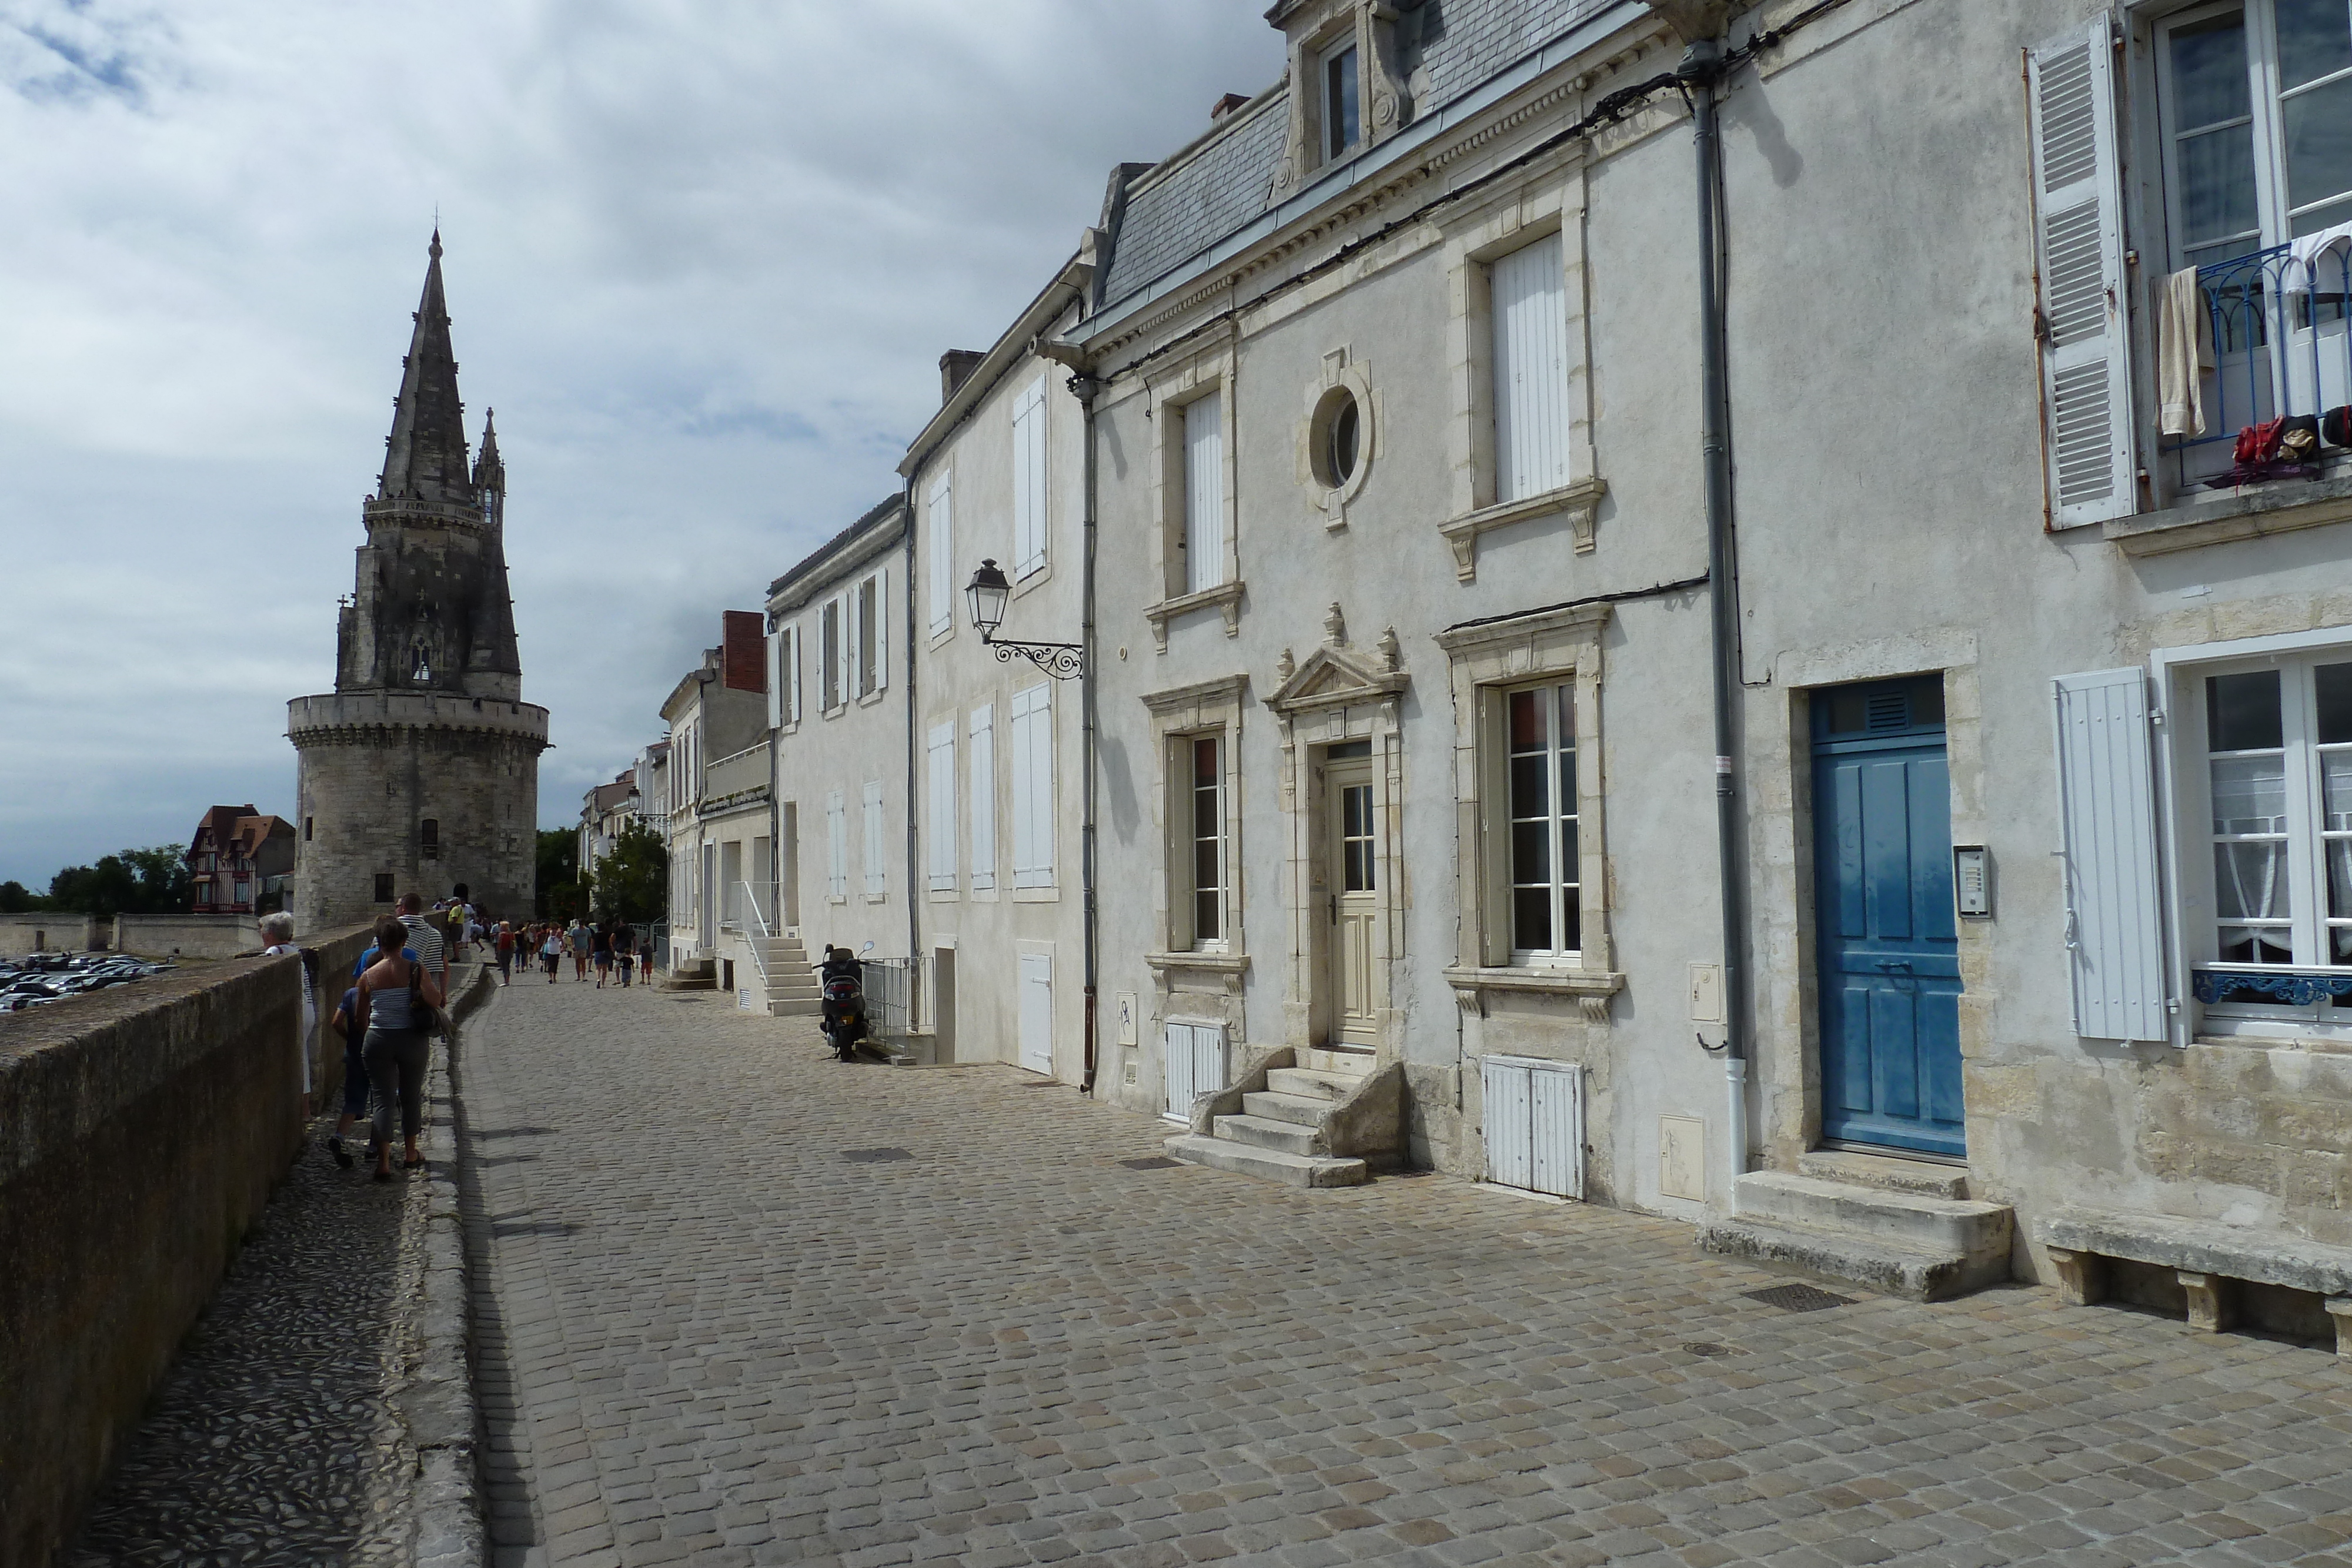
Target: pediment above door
{"type": "Point", "coordinates": [1339, 678]}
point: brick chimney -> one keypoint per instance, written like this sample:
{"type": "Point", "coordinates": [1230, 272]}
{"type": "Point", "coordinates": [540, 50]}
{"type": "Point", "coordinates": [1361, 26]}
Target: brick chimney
{"type": "Point", "coordinates": [955, 368]}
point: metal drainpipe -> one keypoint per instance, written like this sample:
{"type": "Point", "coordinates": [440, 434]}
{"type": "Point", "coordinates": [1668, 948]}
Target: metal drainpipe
{"type": "Point", "coordinates": [1086, 386]}
{"type": "Point", "coordinates": [1700, 70]}
{"type": "Point", "coordinates": [915, 887]}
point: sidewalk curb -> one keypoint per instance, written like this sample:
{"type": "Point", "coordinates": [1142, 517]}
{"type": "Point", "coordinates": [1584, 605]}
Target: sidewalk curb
{"type": "Point", "coordinates": [439, 1403]}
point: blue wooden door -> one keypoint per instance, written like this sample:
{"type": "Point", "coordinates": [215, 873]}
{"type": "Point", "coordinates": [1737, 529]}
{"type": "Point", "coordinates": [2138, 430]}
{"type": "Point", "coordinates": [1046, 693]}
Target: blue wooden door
{"type": "Point", "coordinates": [1890, 971]}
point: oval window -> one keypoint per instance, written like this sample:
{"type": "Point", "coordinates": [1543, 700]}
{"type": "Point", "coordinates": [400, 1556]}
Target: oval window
{"type": "Point", "coordinates": [1338, 438]}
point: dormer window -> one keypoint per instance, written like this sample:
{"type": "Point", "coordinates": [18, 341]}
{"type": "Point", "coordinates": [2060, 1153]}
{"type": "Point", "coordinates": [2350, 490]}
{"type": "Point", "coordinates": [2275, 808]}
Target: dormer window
{"type": "Point", "coordinates": [1339, 113]}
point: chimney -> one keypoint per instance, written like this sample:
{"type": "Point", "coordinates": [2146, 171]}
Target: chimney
{"type": "Point", "coordinates": [1226, 105]}
{"type": "Point", "coordinates": [955, 368]}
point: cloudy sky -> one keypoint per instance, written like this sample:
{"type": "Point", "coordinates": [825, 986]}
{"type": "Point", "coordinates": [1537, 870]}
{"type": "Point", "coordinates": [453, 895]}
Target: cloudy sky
{"type": "Point", "coordinates": [703, 258]}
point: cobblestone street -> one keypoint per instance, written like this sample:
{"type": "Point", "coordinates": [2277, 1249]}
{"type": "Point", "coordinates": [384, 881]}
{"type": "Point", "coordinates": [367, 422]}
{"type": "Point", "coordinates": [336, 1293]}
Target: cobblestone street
{"type": "Point", "coordinates": [751, 1306]}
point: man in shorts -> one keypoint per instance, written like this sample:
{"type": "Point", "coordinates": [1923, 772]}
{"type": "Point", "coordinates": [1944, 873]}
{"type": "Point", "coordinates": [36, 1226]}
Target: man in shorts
{"type": "Point", "coordinates": [584, 942]}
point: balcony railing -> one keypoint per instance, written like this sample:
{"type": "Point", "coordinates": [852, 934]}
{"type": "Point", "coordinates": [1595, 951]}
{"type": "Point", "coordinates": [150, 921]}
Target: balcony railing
{"type": "Point", "coordinates": [739, 774]}
{"type": "Point", "coordinates": [2278, 351]}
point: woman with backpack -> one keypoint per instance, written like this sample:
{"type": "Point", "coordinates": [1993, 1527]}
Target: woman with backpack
{"type": "Point", "coordinates": [395, 995]}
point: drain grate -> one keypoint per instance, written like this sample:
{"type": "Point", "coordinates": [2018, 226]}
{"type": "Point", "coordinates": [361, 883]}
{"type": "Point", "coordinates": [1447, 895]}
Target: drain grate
{"type": "Point", "coordinates": [1701, 1347]}
{"type": "Point", "coordinates": [1152, 1163]}
{"type": "Point", "coordinates": [1798, 1298]}
{"type": "Point", "coordinates": [873, 1156]}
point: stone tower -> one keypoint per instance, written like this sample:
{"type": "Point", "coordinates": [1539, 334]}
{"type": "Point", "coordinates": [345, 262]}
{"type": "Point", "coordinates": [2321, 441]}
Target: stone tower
{"type": "Point", "coordinates": [419, 772]}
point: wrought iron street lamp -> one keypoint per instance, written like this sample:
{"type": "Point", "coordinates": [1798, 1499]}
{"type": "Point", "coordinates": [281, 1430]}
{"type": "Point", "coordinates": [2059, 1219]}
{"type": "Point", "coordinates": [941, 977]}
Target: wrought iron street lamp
{"type": "Point", "coordinates": [986, 594]}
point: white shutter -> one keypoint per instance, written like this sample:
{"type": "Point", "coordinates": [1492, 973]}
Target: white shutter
{"type": "Point", "coordinates": [837, 831]}
{"type": "Point", "coordinates": [1032, 787]}
{"type": "Point", "coordinates": [854, 661]}
{"type": "Point", "coordinates": [882, 629]}
{"type": "Point", "coordinates": [2106, 802]}
{"type": "Point", "coordinates": [944, 570]}
{"type": "Point", "coordinates": [1556, 1125]}
{"type": "Point", "coordinates": [877, 838]}
{"type": "Point", "coordinates": [1529, 306]}
{"type": "Point", "coordinates": [983, 797]}
{"type": "Point", "coordinates": [1509, 1118]}
{"type": "Point", "coordinates": [1038, 1011]}
{"type": "Point", "coordinates": [2086, 361]}
{"type": "Point", "coordinates": [942, 858]}
{"type": "Point", "coordinates": [1176, 1055]}
{"type": "Point", "coordinates": [776, 679]}
{"type": "Point", "coordinates": [1205, 493]}
{"type": "Point", "coordinates": [1029, 479]}
{"type": "Point", "coordinates": [793, 673]}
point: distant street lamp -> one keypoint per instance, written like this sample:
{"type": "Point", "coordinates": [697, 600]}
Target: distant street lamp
{"type": "Point", "coordinates": [987, 592]}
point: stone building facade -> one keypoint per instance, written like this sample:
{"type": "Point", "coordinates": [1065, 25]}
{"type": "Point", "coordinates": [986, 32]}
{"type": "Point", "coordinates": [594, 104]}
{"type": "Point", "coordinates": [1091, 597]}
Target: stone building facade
{"type": "Point", "coordinates": [419, 772]}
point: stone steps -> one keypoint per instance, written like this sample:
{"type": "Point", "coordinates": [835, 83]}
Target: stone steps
{"type": "Point", "coordinates": [792, 989]}
{"type": "Point", "coordinates": [1290, 1137]}
{"type": "Point", "coordinates": [1303, 1110]}
{"type": "Point", "coordinates": [1312, 1082]}
{"type": "Point", "coordinates": [1272, 1164]}
{"type": "Point", "coordinates": [1904, 1243]}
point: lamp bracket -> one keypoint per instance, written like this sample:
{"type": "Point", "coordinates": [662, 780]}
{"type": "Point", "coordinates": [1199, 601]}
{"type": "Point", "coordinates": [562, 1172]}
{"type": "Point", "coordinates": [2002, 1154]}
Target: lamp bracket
{"type": "Point", "coordinates": [1063, 661]}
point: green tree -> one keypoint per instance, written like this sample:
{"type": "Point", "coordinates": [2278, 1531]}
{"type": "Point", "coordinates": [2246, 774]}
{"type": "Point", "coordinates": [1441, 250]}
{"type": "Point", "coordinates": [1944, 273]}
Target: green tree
{"type": "Point", "coordinates": [559, 872]}
{"type": "Point", "coordinates": [134, 881]}
{"type": "Point", "coordinates": [633, 881]}
{"type": "Point", "coordinates": [15, 898]}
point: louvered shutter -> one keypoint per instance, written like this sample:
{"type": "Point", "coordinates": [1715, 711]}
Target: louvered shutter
{"type": "Point", "coordinates": [2107, 796]}
{"type": "Point", "coordinates": [943, 806]}
{"type": "Point", "coordinates": [1029, 479]}
{"type": "Point", "coordinates": [1529, 306]}
{"type": "Point", "coordinates": [2086, 357]}
{"type": "Point", "coordinates": [776, 678]}
{"type": "Point", "coordinates": [944, 570]}
{"type": "Point", "coordinates": [1205, 493]}
{"type": "Point", "coordinates": [983, 797]}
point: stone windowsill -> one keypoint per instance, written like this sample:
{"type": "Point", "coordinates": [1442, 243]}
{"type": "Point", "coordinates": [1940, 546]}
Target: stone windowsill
{"type": "Point", "coordinates": [1590, 987]}
{"type": "Point", "coordinates": [2280, 506]}
{"type": "Point", "coordinates": [1226, 596]}
{"type": "Point", "coordinates": [1580, 500]}
{"type": "Point", "coordinates": [1221, 963]}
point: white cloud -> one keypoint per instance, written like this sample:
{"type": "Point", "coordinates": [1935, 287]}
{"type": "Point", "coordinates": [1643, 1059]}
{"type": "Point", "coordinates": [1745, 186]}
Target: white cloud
{"type": "Point", "coordinates": [702, 258]}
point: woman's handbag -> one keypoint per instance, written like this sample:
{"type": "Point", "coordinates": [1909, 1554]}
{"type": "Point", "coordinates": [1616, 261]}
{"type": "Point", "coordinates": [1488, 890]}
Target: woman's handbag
{"type": "Point", "coordinates": [423, 1014]}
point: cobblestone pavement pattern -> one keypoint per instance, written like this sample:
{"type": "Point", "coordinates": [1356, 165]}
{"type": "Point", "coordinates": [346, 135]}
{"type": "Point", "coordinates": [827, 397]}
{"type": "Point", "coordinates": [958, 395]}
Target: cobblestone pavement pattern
{"type": "Point", "coordinates": [272, 1441]}
{"type": "Point", "coordinates": [731, 1343]}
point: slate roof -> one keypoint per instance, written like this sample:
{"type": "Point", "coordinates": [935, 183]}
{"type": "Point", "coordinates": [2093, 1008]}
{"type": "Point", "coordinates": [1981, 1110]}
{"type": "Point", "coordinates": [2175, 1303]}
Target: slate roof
{"type": "Point", "coordinates": [822, 554]}
{"type": "Point", "coordinates": [1175, 211]}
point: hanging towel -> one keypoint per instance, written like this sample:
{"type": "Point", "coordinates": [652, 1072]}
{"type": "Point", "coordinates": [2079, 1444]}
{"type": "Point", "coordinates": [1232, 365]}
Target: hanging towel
{"type": "Point", "coordinates": [2305, 264]}
{"type": "Point", "coordinates": [2184, 351]}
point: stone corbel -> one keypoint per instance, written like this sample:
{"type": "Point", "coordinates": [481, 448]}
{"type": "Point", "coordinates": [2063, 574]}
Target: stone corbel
{"type": "Point", "coordinates": [1580, 500]}
{"type": "Point", "coordinates": [1225, 596]}
{"type": "Point", "coordinates": [1590, 987]}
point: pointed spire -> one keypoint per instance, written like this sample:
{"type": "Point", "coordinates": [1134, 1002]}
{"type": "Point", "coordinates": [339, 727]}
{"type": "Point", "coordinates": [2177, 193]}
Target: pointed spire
{"type": "Point", "coordinates": [490, 469]}
{"type": "Point", "coordinates": [425, 456]}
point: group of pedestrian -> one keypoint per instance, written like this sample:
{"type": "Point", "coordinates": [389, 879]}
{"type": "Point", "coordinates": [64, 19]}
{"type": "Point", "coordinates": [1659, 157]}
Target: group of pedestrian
{"type": "Point", "coordinates": [611, 946]}
{"type": "Point", "coordinates": [385, 1020]}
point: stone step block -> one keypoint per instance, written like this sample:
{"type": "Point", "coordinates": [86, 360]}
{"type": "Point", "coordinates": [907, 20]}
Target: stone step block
{"type": "Point", "coordinates": [1307, 1111]}
{"type": "Point", "coordinates": [1272, 1165]}
{"type": "Point", "coordinates": [1291, 1137]}
{"type": "Point", "coordinates": [1876, 1263]}
{"type": "Point", "coordinates": [1311, 1083]}
{"type": "Point", "coordinates": [1888, 1173]}
{"type": "Point", "coordinates": [1938, 1225]}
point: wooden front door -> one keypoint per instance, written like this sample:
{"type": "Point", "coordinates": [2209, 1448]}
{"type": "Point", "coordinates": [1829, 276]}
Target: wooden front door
{"type": "Point", "coordinates": [1352, 838]}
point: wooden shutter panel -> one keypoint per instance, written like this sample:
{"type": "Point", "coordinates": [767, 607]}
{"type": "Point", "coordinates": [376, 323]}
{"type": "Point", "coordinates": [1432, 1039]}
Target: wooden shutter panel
{"type": "Point", "coordinates": [882, 629]}
{"type": "Point", "coordinates": [943, 564]}
{"type": "Point", "coordinates": [943, 806]}
{"type": "Point", "coordinates": [1176, 1056]}
{"type": "Point", "coordinates": [1205, 493]}
{"type": "Point", "coordinates": [2084, 325]}
{"type": "Point", "coordinates": [1556, 1129]}
{"type": "Point", "coordinates": [2107, 796]}
{"type": "Point", "coordinates": [837, 831]}
{"type": "Point", "coordinates": [1529, 308]}
{"type": "Point", "coordinates": [793, 673]}
{"type": "Point", "coordinates": [877, 838]}
{"type": "Point", "coordinates": [1508, 1117]}
{"type": "Point", "coordinates": [776, 679]}
{"type": "Point", "coordinates": [1038, 1012]}
{"type": "Point", "coordinates": [1029, 480]}
{"type": "Point", "coordinates": [1033, 788]}
{"type": "Point", "coordinates": [983, 797]}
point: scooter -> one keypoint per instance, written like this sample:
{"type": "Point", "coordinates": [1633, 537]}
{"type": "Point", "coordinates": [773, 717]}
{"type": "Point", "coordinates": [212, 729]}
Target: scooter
{"type": "Point", "coordinates": [845, 1002]}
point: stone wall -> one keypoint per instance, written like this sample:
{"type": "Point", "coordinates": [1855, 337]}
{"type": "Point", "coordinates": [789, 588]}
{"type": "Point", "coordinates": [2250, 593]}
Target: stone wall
{"type": "Point", "coordinates": [145, 1127]}
{"type": "Point", "coordinates": [46, 933]}
{"type": "Point", "coordinates": [187, 936]}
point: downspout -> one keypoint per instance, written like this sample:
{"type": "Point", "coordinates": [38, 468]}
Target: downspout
{"type": "Point", "coordinates": [1700, 71]}
{"type": "Point", "coordinates": [915, 887]}
{"type": "Point", "coordinates": [1085, 387]}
